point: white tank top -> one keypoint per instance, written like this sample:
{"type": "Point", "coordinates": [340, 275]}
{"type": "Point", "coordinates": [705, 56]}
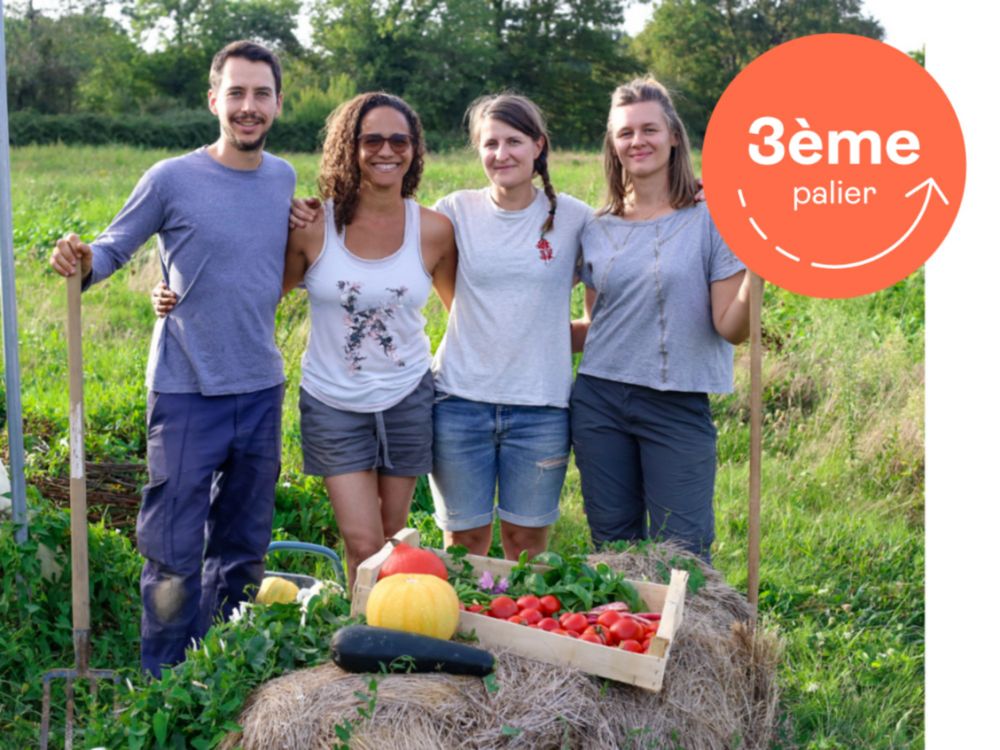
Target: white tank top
{"type": "Point", "coordinates": [367, 347]}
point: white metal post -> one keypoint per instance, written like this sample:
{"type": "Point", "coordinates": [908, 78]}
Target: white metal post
{"type": "Point", "coordinates": [12, 365]}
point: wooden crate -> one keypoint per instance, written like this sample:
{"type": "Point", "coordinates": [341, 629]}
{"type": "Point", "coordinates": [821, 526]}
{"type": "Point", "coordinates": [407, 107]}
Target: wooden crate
{"type": "Point", "coordinates": [642, 670]}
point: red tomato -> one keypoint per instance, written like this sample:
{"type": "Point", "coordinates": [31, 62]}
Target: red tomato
{"type": "Point", "coordinates": [475, 608]}
{"type": "Point", "coordinates": [597, 631]}
{"type": "Point", "coordinates": [609, 618]}
{"type": "Point", "coordinates": [503, 607]}
{"type": "Point", "coordinates": [547, 623]}
{"type": "Point", "coordinates": [516, 619]}
{"type": "Point", "coordinates": [560, 631]}
{"type": "Point", "coordinates": [575, 623]}
{"type": "Point", "coordinates": [627, 629]}
{"type": "Point", "coordinates": [645, 645]}
{"type": "Point", "coordinates": [631, 645]}
{"type": "Point", "coordinates": [531, 616]}
{"type": "Point", "coordinates": [591, 638]}
{"type": "Point", "coordinates": [549, 604]}
{"type": "Point", "coordinates": [528, 601]}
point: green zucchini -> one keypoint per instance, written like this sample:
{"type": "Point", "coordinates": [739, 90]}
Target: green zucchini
{"type": "Point", "coordinates": [363, 648]}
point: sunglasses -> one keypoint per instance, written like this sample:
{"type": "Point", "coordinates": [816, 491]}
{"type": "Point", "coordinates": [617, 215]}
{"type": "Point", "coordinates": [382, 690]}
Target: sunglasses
{"type": "Point", "coordinates": [372, 142]}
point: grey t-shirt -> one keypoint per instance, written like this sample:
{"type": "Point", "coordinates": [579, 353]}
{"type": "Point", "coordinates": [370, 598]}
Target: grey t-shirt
{"type": "Point", "coordinates": [221, 236]}
{"type": "Point", "coordinates": [652, 319]}
{"type": "Point", "coordinates": [508, 338]}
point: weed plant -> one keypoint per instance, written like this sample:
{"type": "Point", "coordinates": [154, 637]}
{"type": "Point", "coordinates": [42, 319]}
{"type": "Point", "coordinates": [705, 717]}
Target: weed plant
{"type": "Point", "coordinates": [842, 543]}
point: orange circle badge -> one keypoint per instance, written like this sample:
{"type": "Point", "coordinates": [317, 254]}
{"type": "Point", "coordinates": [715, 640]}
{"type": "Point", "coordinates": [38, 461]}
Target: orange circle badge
{"type": "Point", "coordinates": [833, 165]}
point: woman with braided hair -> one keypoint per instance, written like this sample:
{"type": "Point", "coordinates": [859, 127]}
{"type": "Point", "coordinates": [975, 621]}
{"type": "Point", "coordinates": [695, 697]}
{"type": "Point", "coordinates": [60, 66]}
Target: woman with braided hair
{"type": "Point", "coordinates": [503, 371]}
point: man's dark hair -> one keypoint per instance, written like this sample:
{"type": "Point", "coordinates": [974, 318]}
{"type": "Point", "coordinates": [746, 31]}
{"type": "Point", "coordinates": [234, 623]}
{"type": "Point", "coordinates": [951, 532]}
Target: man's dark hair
{"type": "Point", "coordinates": [248, 51]}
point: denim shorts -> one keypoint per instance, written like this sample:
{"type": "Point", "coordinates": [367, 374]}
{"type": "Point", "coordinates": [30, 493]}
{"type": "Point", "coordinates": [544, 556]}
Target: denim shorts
{"type": "Point", "coordinates": [484, 451]}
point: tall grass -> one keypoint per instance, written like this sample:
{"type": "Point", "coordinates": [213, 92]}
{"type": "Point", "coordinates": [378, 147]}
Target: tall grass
{"type": "Point", "coordinates": [842, 543]}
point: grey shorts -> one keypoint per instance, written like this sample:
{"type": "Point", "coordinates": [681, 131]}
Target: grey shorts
{"type": "Point", "coordinates": [396, 442]}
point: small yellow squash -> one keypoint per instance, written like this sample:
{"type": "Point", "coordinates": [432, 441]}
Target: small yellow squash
{"type": "Point", "coordinates": [415, 603]}
{"type": "Point", "coordinates": [276, 589]}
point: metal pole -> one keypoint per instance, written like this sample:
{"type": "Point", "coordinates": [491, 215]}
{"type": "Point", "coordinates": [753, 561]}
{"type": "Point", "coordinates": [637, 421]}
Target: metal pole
{"type": "Point", "coordinates": [12, 365]}
{"type": "Point", "coordinates": [756, 407]}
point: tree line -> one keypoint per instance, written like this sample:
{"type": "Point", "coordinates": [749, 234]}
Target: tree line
{"type": "Point", "coordinates": [141, 62]}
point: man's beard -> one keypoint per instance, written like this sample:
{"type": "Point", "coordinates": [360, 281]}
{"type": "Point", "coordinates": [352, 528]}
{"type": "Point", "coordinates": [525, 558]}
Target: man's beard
{"type": "Point", "coordinates": [239, 145]}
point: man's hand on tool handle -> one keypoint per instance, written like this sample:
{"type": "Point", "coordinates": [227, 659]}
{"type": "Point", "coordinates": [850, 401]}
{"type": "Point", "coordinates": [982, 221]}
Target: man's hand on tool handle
{"type": "Point", "coordinates": [69, 251]}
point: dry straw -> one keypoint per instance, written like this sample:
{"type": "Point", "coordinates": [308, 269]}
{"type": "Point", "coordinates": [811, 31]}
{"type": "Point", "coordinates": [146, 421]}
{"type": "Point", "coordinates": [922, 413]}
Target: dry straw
{"type": "Point", "coordinates": [719, 692]}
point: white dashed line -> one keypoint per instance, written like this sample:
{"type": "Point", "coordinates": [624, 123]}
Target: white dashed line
{"type": "Point", "coordinates": [759, 230]}
{"type": "Point", "coordinates": [753, 223]}
{"type": "Point", "coordinates": [786, 253]}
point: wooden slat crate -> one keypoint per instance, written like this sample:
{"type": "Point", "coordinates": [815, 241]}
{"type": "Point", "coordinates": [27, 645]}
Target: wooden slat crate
{"type": "Point", "coordinates": [642, 670]}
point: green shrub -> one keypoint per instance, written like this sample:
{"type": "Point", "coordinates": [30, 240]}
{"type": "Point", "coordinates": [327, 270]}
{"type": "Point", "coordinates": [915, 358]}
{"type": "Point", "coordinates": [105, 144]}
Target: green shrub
{"type": "Point", "coordinates": [172, 130]}
{"type": "Point", "coordinates": [36, 614]}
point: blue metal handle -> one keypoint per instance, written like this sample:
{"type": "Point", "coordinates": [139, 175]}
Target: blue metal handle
{"type": "Point", "coordinates": [318, 549]}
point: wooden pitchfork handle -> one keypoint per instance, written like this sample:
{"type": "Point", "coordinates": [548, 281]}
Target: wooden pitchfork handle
{"type": "Point", "coordinates": [78, 534]}
{"type": "Point", "coordinates": [756, 408]}
{"type": "Point", "coordinates": [77, 476]}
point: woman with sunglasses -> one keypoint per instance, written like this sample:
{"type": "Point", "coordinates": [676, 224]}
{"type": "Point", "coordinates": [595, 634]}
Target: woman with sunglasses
{"type": "Point", "coordinates": [367, 390]}
{"type": "Point", "coordinates": [667, 300]}
{"type": "Point", "coordinates": [368, 266]}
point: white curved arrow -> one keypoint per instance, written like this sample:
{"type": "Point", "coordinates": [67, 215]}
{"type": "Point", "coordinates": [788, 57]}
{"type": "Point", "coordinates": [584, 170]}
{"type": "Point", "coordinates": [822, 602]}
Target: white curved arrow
{"type": "Point", "coordinates": [931, 184]}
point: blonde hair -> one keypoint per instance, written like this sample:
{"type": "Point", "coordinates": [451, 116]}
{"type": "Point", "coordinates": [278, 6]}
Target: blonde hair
{"type": "Point", "coordinates": [681, 183]}
{"type": "Point", "coordinates": [522, 114]}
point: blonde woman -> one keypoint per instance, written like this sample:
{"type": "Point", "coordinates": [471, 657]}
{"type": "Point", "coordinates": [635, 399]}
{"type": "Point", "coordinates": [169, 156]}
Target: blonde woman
{"type": "Point", "coordinates": [666, 301]}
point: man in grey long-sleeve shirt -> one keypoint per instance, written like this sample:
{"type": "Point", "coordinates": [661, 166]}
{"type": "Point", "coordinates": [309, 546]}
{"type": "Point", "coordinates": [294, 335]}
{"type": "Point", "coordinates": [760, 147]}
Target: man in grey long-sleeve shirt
{"type": "Point", "coordinates": [215, 376]}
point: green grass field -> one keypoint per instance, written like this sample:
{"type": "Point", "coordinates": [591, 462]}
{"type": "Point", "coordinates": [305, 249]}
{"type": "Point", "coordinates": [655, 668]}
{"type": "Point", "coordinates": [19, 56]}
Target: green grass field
{"type": "Point", "coordinates": [842, 574]}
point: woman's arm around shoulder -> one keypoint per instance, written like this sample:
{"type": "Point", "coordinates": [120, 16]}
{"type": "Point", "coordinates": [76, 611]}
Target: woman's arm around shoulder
{"type": "Point", "coordinates": [437, 244]}
{"type": "Point", "coordinates": [304, 246]}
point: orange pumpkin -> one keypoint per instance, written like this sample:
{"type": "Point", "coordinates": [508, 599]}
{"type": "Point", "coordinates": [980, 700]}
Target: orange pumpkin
{"type": "Point", "coordinates": [407, 559]}
{"type": "Point", "coordinates": [415, 603]}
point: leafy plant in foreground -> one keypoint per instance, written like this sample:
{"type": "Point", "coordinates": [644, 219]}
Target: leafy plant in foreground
{"type": "Point", "coordinates": [196, 703]}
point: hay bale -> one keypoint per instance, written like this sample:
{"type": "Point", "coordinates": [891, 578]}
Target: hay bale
{"type": "Point", "coordinates": [719, 693]}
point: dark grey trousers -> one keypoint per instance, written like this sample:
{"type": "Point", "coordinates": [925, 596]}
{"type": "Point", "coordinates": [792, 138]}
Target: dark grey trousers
{"type": "Point", "coordinates": [206, 514]}
{"type": "Point", "coordinates": [647, 462]}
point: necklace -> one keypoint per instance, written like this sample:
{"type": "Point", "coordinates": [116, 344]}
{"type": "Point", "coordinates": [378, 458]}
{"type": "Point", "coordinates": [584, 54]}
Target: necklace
{"type": "Point", "coordinates": [618, 247]}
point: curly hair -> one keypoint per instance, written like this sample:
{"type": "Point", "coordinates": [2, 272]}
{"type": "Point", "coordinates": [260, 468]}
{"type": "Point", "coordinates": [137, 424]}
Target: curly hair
{"type": "Point", "coordinates": [339, 173]}
{"type": "Point", "coordinates": [680, 173]}
{"type": "Point", "coordinates": [522, 114]}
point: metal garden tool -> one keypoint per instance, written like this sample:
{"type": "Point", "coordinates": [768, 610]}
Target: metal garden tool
{"type": "Point", "coordinates": [78, 534]}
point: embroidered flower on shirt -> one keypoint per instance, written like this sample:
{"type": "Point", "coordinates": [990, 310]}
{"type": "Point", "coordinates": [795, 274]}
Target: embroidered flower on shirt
{"type": "Point", "coordinates": [544, 250]}
{"type": "Point", "coordinates": [369, 322]}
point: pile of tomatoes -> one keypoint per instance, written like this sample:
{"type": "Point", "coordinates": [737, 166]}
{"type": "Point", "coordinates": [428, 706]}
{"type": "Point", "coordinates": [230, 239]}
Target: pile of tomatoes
{"type": "Point", "coordinates": [609, 625]}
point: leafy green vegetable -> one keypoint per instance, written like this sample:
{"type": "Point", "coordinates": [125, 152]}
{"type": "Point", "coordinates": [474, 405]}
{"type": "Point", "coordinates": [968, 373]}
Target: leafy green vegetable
{"type": "Point", "coordinates": [578, 585]}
